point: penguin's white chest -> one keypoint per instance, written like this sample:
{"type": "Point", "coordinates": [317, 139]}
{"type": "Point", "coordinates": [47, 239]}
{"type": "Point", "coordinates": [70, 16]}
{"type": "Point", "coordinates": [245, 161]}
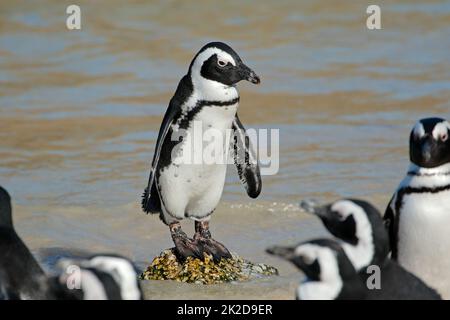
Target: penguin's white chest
{"type": "Point", "coordinates": [424, 238]}
{"type": "Point", "coordinates": [193, 184]}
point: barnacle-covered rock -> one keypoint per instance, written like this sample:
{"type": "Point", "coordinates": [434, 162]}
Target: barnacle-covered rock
{"type": "Point", "coordinates": [206, 271]}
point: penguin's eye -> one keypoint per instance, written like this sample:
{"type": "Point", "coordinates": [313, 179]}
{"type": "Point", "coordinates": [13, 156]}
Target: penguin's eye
{"type": "Point", "coordinates": [339, 215]}
{"type": "Point", "coordinates": [444, 137]}
{"type": "Point", "coordinates": [221, 63]}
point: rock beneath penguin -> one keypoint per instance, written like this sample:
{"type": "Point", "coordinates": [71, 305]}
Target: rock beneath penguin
{"type": "Point", "coordinates": [206, 271]}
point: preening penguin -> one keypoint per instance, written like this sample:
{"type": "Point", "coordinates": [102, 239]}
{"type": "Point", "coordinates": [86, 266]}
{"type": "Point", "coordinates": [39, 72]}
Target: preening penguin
{"type": "Point", "coordinates": [207, 100]}
{"type": "Point", "coordinates": [21, 277]}
{"type": "Point", "coordinates": [100, 277]}
{"type": "Point", "coordinates": [418, 215]}
{"type": "Point", "coordinates": [329, 273]}
{"type": "Point", "coordinates": [365, 241]}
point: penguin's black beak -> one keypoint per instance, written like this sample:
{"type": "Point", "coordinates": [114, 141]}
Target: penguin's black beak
{"type": "Point", "coordinates": [288, 253]}
{"type": "Point", "coordinates": [311, 206]}
{"type": "Point", "coordinates": [427, 146]}
{"type": "Point", "coordinates": [283, 252]}
{"type": "Point", "coordinates": [248, 74]}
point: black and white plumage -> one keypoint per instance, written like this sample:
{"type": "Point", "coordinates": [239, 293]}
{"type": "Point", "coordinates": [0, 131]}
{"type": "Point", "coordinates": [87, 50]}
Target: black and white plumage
{"type": "Point", "coordinates": [21, 277]}
{"type": "Point", "coordinates": [100, 277]}
{"type": "Point", "coordinates": [418, 215]}
{"type": "Point", "coordinates": [365, 241]}
{"type": "Point", "coordinates": [329, 274]}
{"type": "Point", "coordinates": [179, 186]}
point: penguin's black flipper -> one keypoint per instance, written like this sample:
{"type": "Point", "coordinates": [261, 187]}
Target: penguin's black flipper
{"type": "Point", "coordinates": [151, 202]}
{"type": "Point", "coordinates": [389, 222]}
{"type": "Point", "coordinates": [150, 199]}
{"type": "Point", "coordinates": [246, 160]}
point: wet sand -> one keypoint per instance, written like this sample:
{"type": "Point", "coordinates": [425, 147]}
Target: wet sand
{"type": "Point", "coordinates": [80, 112]}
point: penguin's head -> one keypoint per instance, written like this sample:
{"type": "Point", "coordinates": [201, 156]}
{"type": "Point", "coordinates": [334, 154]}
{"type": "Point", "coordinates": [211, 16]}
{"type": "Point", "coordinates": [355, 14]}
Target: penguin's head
{"type": "Point", "coordinates": [348, 219]}
{"type": "Point", "coordinates": [429, 143]}
{"type": "Point", "coordinates": [100, 277]}
{"type": "Point", "coordinates": [5, 208]}
{"type": "Point", "coordinates": [358, 223]}
{"type": "Point", "coordinates": [219, 63]}
{"type": "Point", "coordinates": [322, 261]}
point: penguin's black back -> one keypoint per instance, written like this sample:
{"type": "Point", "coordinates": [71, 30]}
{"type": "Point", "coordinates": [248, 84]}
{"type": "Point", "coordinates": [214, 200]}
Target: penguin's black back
{"type": "Point", "coordinates": [399, 284]}
{"type": "Point", "coordinates": [352, 289]}
{"type": "Point", "coordinates": [21, 275]}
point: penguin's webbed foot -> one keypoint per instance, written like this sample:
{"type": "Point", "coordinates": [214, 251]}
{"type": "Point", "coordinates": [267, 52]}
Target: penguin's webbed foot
{"type": "Point", "coordinates": [210, 246]}
{"type": "Point", "coordinates": [185, 247]}
{"type": "Point", "coordinates": [216, 249]}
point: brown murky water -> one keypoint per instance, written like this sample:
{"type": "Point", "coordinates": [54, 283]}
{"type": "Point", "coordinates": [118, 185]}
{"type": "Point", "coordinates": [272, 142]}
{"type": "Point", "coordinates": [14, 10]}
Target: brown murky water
{"type": "Point", "coordinates": [80, 112]}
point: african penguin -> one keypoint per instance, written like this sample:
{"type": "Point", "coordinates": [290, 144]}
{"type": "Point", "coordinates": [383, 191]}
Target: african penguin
{"type": "Point", "coordinates": [365, 241]}
{"type": "Point", "coordinates": [179, 187]}
{"type": "Point", "coordinates": [100, 277]}
{"type": "Point", "coordinates": [21, 277]}
{"type": "Point", "coordinates": [329, 274]}
{"type": "Point", "coordinates": [418, 215]}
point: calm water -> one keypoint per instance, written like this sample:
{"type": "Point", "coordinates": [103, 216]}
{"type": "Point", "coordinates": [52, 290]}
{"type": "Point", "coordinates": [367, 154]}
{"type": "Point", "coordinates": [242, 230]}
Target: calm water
{"type": "Point", "coordinates": [80, 110]}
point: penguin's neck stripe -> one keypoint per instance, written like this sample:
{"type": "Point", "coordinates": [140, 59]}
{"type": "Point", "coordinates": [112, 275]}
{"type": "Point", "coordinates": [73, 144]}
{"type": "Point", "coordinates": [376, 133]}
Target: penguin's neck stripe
{"type": "Point", "coordinates": [208, 103]}
{"type": "Point", "coordinates": [418, 174]}
{"type": "Point", "coordinates": [185, 119]}
{"type": "Point", "coordinates": [409, 190]}
{"type": "Point", "coordinates": [399, 203]}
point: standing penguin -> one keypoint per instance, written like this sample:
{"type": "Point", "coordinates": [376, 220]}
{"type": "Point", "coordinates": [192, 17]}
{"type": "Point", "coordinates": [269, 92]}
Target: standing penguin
{"type": "Point", "coordinates": [418, 215]}
{"type": "Point", "coordinates": [21, 277]}
{"type": "Point", "coordinates": [329, 273]}
{"type": "Point", "coordinates": [365, 241]}
{"type": "Point", "coordinates": [207, 100]}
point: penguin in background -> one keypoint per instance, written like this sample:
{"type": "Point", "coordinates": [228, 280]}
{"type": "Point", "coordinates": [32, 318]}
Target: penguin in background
{"type": "Point", "coordinates": [100, 277]}
{"type": "Point", "coordinates": [359, 226]}
{"type": "Point", "coordinates": [329, 274]}
{"type": "Point", "coordinates": [206, 98]}
{"type": "Point", "coordinates": [418, 215]}
{"type": "Point", "coordinates": [21, 277]}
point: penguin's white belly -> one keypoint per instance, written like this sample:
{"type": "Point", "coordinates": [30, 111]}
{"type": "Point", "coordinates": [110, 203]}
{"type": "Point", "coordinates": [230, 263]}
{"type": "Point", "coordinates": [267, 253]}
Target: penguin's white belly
{"type": "Point", "coordinates": [192, 185]}
{"type": "Point", "coordinates": [424, 238]}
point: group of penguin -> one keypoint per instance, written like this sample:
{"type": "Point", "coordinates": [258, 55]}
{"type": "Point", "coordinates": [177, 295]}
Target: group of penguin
{"type": "Point", "coordinates": [409, 247]}
{"type": "Point", "coordinates": [99, 277]}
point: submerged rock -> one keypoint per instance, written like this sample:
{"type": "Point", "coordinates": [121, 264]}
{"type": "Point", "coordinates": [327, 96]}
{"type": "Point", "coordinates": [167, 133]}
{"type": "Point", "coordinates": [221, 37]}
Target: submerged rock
{"type": "Point", "coordinates": [206, 271]}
